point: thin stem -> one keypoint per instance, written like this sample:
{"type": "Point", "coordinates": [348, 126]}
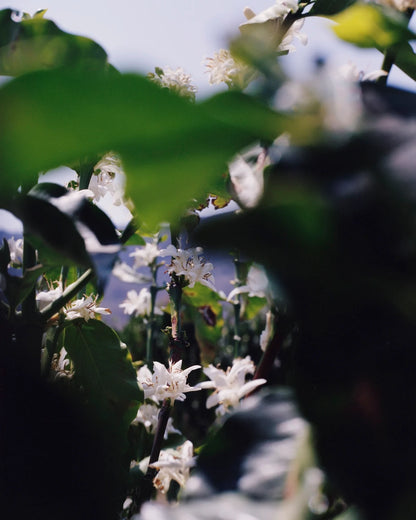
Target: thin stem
{"type": "Point", "coordinates": [29, 309]}
{"type": "Point", "coordinates": [177, 343]}
{"type": "Point", "coordinates": [150, 326]}
{"type": "Point", "coordinates": [390, 56]}
{"type": "Point", "coordinates": [238, 265]}
{"type": "Point", "coordinates": [163, 419]}
{"type": "Point", "coordinates": [282, 326]}
{"type": "Point", "coordinates": [237, 337]}
{"type": "Point", "coordinates": [67, 295]}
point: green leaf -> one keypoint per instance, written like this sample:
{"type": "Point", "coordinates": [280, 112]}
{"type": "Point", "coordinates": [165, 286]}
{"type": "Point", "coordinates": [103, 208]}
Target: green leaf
{"type": "Point", "coordinates": [202, 306]}
{"type": "Point", "coordinates": [406, 60]}
{"type": "Point", "coordinates": [172, 150]}
{"type": "Point", "coordinates": [328, 7]}
{"type": "Point", "coordinates": [369, 26]}
{"type": "Point", "coordinates": [103, 368]}
{"type": "Point", "coordinates": [37, 43]}
{"type": "Point", "coordinates": [253, 306]}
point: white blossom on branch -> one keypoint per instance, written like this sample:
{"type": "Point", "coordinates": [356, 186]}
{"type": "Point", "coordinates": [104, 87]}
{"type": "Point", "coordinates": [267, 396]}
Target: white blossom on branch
{"type": "Point", "coordinates": [139, 304]}
{"type": "Point", "coordinates": [174, 464]}
{"type": "Point", "coordinates": [85, 308]}
{"type": "Point", "coordinates": [230, 385]}
{"type": "Point", "coordinates": [148, 416]}
{"type": "Point", "coordinates": [166, 383]}
{"type": "Point", "coordinates": [190, 264]}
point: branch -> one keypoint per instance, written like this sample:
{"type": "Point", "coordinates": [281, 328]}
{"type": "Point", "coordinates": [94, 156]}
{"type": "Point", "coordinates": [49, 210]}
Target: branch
{"type": "Point", "coordinates": [67, 295]}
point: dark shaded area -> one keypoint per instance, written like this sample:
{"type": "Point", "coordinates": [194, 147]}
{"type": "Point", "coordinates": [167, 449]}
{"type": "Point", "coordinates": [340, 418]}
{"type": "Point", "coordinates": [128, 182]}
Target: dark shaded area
{"type": "Point", "coordinates": [54, 457]}
{"type": "Point", "coordinates": [337, 229]}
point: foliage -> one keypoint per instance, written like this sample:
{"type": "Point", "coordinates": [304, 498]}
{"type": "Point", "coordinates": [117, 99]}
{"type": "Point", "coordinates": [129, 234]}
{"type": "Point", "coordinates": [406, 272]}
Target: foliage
{"type": "Point", "coordinates": [323, 268]}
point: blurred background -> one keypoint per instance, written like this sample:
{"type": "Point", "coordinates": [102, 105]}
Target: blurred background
{"type": "Point", "coordinates": [141, 34]}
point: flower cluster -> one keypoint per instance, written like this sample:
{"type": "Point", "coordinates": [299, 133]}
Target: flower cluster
{"type": "Point", "coordinates": [174, 464]}
{"type": "Point", "coordinates": [148, 416]}
{"type": "Point", "coordinates": [85, 308]}
{"type": "Point", "coordinates": [108, 178]}
{"type": "Point", "coordinates": [16, 251]}
{"type": "Point", "coordinates": [190, 264]}
{"type": "Point", "coordinates": [174, 79]}
{"type": "Point", "coordinates": [166, 383]}
{"type": "Point", "coordinates": [222, 67]}
{"type": "Point", "coordinates": [230, 385]}
{"type": "Point", "coordinates": [144, 256]}
{"type": "Point", "coordinates": [44, 298]}
{"type": "Point", "coordinates": [139, 304]}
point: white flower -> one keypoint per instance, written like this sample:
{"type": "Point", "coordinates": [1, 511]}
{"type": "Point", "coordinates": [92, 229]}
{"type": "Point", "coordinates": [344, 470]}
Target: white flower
{"type": "Point", "coordinates": [230, 385]}
{"type": "Point", "coordinates": [293, 32]}
{"type": "Point", "coordinates": [139, 304]}
{"type": "Point", "coordinates": [84, 308]}
{"type": "Point", "coordinates": [246, 174]}
{"type": "Point", "coordinates": [174, 79]}
{"type": "Point", "coordinates": [16, 251]}
{"type": "Point", "coordinates": [351, 72]}
{"type": "Point", "coordinates": [190, 264]}
{"type": "Point", "coordinates": [144, 256]}
{"type": "Point", "coordinates": [223, 68]}
{"type": "Point", "coordinates": [174, 464]}
{"type": "Point", "coordinates": [127, 274]}
{"type": "Point", "coordinates": [401, 5]}
{"type": "Point", "coordinates": [44, 298]}
{"type": "Point", "coordinates": [108, 177]}
{"type": "Point", "coordinates": [148, 416]}
{"type": "Point", "coordinates": [267, 334]}
{"type": "Point", "coordinates": [166, 383]}
{"type": "Point", "coordinates": [266, 27]}
{"type": "Point", "coordinates": [281, 8]}
{"type": "Point", "coordinates": [257, 284]}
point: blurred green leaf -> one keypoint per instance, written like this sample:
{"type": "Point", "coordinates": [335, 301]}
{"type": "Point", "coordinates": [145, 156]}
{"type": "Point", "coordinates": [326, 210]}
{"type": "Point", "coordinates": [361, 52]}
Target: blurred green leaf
{"type": "Point", "coordinates": [328, 7]}
{"type": "Point", "coordinates": [369, 26]}
{"type": "Point", "coordinates": [36, 44]}
{"type": "Point", "coordinates": [68, 229]}
{"type": "Point", "coordinates": [172, 150]}
{"type": "Point", "coordinates": [253, 306]}
{"type": "Point", "coordinates": [18, 288]}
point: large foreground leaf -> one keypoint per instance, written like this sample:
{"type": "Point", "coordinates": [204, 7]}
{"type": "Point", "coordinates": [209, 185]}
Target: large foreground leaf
{"type": "Point", "coordinates": [37, 43]}
{"type": "Point", "coordinates": [172, 149]}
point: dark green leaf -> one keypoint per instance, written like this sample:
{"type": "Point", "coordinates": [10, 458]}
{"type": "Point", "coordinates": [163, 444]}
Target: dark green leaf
{"type": "Point", "coordinates": [328, 7]}
{"type": "Point", "coordinates": [202, 306]}
{"type": "Point", "coordinates": [36, 43]}
{"type": "Point", "coordinates": [103, 368]}
{"type": "Point", "coordinates": [18, 288]}
{"type": "Point", "coordinates": [67, 228]}
{"type": "Point", "coordinates": [406, 60]}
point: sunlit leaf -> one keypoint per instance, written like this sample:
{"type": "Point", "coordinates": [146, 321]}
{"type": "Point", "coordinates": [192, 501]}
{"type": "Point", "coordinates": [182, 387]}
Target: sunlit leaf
{"type": "Point", "coordinates": [369, 26]}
